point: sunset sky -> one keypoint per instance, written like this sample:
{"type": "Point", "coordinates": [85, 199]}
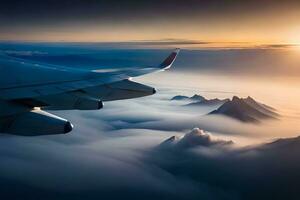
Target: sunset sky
{"type": "Point", "coordinates": [250, 22]}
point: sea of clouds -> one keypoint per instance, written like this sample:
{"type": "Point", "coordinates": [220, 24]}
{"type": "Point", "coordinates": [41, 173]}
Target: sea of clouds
{"type": "Point", "coordinates": [118, 152]}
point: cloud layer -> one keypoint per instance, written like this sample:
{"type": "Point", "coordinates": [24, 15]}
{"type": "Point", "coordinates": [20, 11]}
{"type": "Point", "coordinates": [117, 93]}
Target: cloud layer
{"type": "Point", "coordinates": [117, 153]}
{"type": "Point", "coordinates": [268, 171]}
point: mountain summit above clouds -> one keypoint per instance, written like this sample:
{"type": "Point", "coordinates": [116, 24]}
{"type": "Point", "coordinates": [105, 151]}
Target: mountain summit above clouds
{"type": "Point", "coordinates": [208, 102]}
{"type": "Point", "coordinates": [198, 100]}
{"type": "Point", "coordinates": [196, 97]}
{"type": "Point", "coordinates": [246, 110]}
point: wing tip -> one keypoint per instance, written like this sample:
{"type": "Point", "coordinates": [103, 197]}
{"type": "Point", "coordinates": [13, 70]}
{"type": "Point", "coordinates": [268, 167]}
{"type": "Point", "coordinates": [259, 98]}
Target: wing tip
{"type": "Point", "coordinates": [167, 63]}
{"type": "Point", "coordinates": [176, 50]}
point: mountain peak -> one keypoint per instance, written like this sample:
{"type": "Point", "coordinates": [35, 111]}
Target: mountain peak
{"type": "Point", "coordinates": [245, 110]}
{"type": "Point", "coordinates": [235, 98]}
{"type": "Point", "coordinates": [170, 141]}
{"type": "Point", "coordinates": [195, 97]}
{"type": "Point", "coordinates": [208, 102]}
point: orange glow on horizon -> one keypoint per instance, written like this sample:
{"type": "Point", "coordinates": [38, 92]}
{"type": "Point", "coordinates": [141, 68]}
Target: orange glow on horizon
{"type": "Point", "coordinates": [245, 30]}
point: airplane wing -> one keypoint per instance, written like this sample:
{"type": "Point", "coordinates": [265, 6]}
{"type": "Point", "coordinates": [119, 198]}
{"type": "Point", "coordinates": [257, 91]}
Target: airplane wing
{"type": "Point", "coordinates": [27, 88]}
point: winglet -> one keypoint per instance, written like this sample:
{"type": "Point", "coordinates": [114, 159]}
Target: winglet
{"type": "Point", "coordinates": [167, 63]}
